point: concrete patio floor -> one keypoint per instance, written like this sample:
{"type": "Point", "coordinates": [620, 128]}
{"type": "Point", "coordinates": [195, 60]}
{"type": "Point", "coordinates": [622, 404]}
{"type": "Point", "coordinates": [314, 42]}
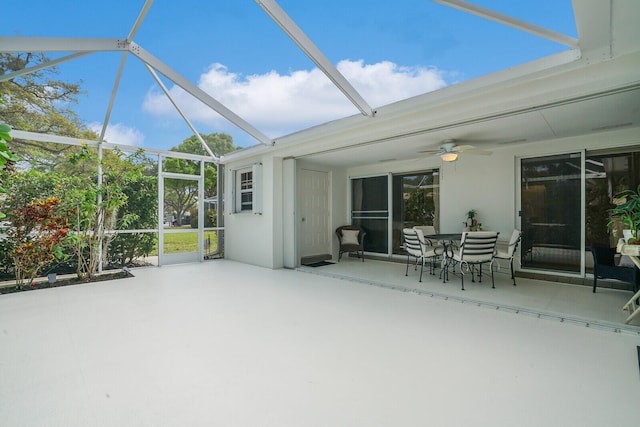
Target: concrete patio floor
{"type": "Point", "coordinates": [227, 344]}
{"type": "Point", "coordinates": [539, 298]}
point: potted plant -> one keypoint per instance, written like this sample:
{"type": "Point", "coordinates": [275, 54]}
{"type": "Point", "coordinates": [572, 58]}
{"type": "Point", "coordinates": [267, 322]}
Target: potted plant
{"type": "Point", "coordinates": [472, 221]}
{"type": "Point", "coordinates": [627, 211]}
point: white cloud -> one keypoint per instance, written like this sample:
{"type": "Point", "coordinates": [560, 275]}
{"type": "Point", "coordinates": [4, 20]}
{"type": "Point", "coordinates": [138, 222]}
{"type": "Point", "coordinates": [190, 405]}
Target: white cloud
{"type": "Point", "coordinates": [279, 104]}
{"type": "Point", "coordinates": [119, 133]}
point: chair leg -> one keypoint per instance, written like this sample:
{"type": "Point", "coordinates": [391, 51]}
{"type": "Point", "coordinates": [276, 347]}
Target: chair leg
{"type": "Point", "coordinates": [445, 270]}
{"type": "Point", "coordinates": [339, 256]}
{"type": "Point", "coordinates": [406, 271]}
{"type": "Point", "coordinates": [421, 268]}
{"type": "Point", "coordinates": [513, 276]}
{"type": "Point", "coordinates": [595, 282]}
{"type": "Point", "coordinates": [493, 284]}
{"type": "Point", "coordinates": [462, 276]}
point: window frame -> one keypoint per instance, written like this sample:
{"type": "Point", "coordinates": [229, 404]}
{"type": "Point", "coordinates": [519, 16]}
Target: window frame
{"type": "Point", "coordinates": [246, 184]}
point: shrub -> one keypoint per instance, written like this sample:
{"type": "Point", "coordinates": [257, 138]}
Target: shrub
{"type": "Point", "coordinates": [37, 234]}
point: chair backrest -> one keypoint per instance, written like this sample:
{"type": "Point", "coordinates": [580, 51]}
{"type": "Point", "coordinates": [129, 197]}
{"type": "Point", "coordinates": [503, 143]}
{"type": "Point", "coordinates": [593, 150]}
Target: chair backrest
{"type": "Point", "coordinates": [349, 227]}
{"type": "Point", "coordinates": [426, 229]}
{"type": "Point", "coordinates": [412, 241]}
{"type": "Point", "coordinates": [603, 255]}
{"type": "Point", "coordinates": [478, 246]}
{"type": "Point", "coordinates": [513, 242]}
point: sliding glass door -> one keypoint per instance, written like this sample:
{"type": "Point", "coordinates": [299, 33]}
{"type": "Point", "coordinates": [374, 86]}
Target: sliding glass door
{"type": "Point", "coordinates": [551, 206]}
{"type": "Point", "coordinates": [416, 201]}
{"type": "Point", "coordinates": [370, 210]}
{"type": "Point", "coordinates": [383, 205]}
{"type": "Point", "coordinates": [551, 212]}
{"type": "Point", "coordinates": [607, 173]}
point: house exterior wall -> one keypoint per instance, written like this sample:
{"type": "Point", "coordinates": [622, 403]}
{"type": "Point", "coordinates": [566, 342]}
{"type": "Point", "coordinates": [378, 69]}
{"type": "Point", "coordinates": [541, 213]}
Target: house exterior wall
{"type": "Point", "coordinates": [489, 183]}
{"type": "Point", "coordinates": [486, 183]}
{"type": "Point", "coordinates": [256, 238]}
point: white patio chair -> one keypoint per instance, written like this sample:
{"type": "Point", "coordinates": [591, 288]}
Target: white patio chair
{"type": "Point", "coordinates": [416, 246]}
{"type": "Point", "coordinates": [476, 248]}
{"type": "Point", "coordinates": [507, 252]}
{"type": "Point", "coordinates": [426, 231]}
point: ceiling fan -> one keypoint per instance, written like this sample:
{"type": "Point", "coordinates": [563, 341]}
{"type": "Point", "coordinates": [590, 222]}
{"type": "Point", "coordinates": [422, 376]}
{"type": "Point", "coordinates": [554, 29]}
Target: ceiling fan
{"type": "Point", "coordinates": [449, 150]}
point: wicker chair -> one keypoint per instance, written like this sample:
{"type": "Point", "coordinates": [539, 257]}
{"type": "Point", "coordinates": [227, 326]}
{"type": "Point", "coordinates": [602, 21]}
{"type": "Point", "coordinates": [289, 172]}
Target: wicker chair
{"type": "Point", "coordinates": [351, 239]}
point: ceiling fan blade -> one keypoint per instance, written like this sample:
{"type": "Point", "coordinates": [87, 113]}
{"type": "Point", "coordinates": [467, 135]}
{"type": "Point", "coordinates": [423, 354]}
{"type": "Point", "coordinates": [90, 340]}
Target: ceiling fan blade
{"type": "Point", "coordinates": [461, 148]}
{"type": "Point", "coordinates": [480, 152]}
{"type": "Point", "coordinates": [436, 151]}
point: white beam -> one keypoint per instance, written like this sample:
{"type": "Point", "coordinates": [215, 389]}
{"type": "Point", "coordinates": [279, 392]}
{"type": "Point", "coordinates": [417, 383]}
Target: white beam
{"type": "Point", "coordinates": [198, 93]}
{"type": "Point", "coordinates": [141, 16]}
{"type": "Point", "coordinates": [287, 24]}
{"type": "Point", "coordinates": [512, 22]}
{"type": "Point", "coordinates": [60, 44]}
{"type": "Point", "coordinates": [114, 91]}
{"type": "Point", "coordinates": [42, 66]}
{"type": "Point", "coordinates": [68, 140]}
{"type": "Point", "coordinates": [184, 116]}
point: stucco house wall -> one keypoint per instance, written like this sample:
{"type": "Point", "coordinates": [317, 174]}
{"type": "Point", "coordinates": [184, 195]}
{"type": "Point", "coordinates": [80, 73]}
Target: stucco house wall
{"type": "Point", "coordinates": [486, 183]}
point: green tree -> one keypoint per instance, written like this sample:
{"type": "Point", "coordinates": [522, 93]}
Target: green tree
{"type": "Point", "coordinates": [142, 199]}
{"type": "Point", "coordinates": [94, 224]}
{"type": "Point", "coordinates": [181, 195]}
{"type": "Point", "coordinates": [218, 143]}
{"type": "Point", "coordinates": [37, 102]}
{"type": "Point", "coordinates": [7, 159]}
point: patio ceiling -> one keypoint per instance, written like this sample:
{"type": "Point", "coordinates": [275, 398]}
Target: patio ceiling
{"type": "Point", "coordinates": [573, 117]}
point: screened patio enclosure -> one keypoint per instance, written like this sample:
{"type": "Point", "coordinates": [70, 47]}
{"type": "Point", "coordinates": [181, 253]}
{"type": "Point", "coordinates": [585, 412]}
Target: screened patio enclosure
{"type": "Point", "coordinates": [581, 96]}
{"type": "Point", "coordinates": [169, 202]}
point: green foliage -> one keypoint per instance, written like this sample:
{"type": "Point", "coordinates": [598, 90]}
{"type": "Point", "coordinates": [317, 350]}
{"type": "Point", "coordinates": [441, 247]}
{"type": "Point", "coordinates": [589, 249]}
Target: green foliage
{"type": "Point", "coordinates": [78, 188]}
{"type": "Point", "coordinates": [38, 102]}
{"type": "Point", "coordinates": [419, 207]}
{"type": "Point", "coordinates": [627, 211]}
{"type": "Point", "coordinates": [7, 158]}
{"type": "Point", "coordinates": [142, 200]}
{"type": "Point", "coordinates": [597, 213]}
{"type": "Point", "coordinates": [181, 195]}
{"type": "Point", "coordinates": [96, 221]}
{"type": "Point", "coordinates": [37, 234]}
{"type": "Point", "coordinates": [218, 143]}
{"type": "Point", "coordinates": [209, 218]}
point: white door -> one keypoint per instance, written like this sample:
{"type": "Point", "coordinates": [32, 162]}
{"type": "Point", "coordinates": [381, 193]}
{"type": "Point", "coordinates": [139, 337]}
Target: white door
{"type": "Point", "coordinates": [315, 235]}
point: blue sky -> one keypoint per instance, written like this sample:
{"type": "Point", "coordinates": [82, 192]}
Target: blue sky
{"type": "Point", "coordinates": [236, 53]}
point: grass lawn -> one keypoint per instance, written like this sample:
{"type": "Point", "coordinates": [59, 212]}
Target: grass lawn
{"type": "Point", "coordinates": [186, 242]}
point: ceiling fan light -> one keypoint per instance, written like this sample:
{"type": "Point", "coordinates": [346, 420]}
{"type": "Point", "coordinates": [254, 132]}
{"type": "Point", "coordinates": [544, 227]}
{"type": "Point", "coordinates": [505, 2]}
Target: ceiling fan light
{"type": "Point", "coordinates": [449, 157]}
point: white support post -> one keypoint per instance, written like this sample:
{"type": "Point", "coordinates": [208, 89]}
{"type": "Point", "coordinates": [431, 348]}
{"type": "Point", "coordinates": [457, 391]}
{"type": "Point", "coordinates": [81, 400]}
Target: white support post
{"type": "Point", "coordinates": [100, 223]}
{"type": "Point", "coordinates": [160, 211]}
{"type": "Point", "coordinates": [201, 213]}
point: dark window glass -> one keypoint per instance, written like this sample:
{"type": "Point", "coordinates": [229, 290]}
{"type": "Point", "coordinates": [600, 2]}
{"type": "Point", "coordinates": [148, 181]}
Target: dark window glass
{"type": "Point", "coordinates": [606, 175]}
{"type": "Point", "coordinates": [246, 191]}
{"type": "Point", "coordinates": [369, 209]}
{"type": "Point", "coordinates": [550, 208]}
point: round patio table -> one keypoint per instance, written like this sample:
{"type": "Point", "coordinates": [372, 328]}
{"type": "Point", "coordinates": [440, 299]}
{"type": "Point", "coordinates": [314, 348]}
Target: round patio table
{"type": "Point", "coordinates": [447, 240]}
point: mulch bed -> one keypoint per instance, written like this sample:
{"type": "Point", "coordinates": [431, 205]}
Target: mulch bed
{"type": "Point", "coordinates": [44, 284]}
